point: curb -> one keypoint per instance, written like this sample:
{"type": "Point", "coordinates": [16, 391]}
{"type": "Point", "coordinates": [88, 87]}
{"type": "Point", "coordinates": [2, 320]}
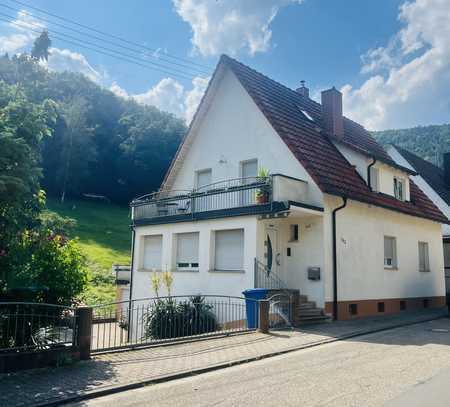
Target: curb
{"type": "Point", "coordinates": [181, 375]}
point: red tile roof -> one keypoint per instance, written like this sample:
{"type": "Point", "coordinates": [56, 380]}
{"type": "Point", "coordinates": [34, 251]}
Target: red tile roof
{"type": "Point", "coordinates": [315, 150]}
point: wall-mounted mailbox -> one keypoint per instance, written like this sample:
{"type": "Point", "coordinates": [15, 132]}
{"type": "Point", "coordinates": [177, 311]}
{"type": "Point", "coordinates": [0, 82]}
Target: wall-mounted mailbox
{"type": "Point", "coordinates": [314, 273]}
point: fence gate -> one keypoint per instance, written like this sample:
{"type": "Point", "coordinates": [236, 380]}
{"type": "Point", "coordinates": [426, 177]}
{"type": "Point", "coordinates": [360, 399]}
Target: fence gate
{"type": "Point", "coordinates": [281, 310]}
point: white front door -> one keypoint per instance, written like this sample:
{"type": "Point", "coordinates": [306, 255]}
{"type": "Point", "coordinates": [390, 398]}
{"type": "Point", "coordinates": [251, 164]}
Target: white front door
{"type": "Point", "coordinates": [272, 246]}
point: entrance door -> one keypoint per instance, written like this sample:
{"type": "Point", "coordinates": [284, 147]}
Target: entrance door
{"type": "Point", "coordinates": [273, 255]}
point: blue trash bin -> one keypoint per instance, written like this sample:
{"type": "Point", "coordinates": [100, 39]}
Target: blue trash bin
{"type": "Point", "coordinates": [251, 305]}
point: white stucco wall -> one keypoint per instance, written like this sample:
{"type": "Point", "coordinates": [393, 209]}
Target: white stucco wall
{"type": "Point", "coordinates": [307, 252]}
{"type": "Point", "coordinates": [424, 186]}
{"type": "Point", "coordinates": [359, 160]}
{"type": "Point", "coordinates": [205, 281]}
{"type": "Point", "coordinates": [386, 172]}
{"type": "Point", "coordinates": [235, 130]}
{"type": "Point", "coordinates": [360, 244]}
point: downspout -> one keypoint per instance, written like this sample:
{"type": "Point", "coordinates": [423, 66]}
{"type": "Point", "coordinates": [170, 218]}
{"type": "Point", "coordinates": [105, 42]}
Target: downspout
{"type": "Point", "coordinates": [130, 301]}
{"type": "Point", "coordinates": [369, 180]}
{"type": "Point", "coordinates": [335, 282]}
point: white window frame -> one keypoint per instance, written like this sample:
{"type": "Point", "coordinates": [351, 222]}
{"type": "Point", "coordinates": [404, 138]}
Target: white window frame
{"type": "Point", "coordinates": [375, 179]}
{"type": "Point", "coordinates": [399, 194]}
{"type": "Point", "coordinates": [146, 238]}
{"type": "Point", "coordinates": [426, 254]}
{"type": "Point", "coordinates": [245, 162]}
{"type": "Point", "coordinates": [393, 263]}
{"type": "Point", "coordinates": [241, 253]}
{"type": "Point", "coordinates": [197, 176]}
{"type": "Point", "coordinates": [190, 265]}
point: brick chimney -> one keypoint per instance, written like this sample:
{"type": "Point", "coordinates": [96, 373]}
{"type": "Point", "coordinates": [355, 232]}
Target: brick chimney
{"type": "Point", "coordinates": [447, 168]}
{"type": "Point", "coordinates": [332, 112]}
{"type": "Point", "coordinates": [303, 90]}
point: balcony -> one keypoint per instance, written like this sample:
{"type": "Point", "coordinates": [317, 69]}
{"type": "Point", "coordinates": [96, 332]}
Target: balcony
{"type": "Point", "coordinates": [232, 197]}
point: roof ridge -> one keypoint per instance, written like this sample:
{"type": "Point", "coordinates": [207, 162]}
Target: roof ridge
{"type": "Point", "coordinates": [235, 61]}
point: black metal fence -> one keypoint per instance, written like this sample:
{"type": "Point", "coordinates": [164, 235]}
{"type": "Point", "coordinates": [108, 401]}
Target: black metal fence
{"type": "Point", "coordinates": [266, 278]}
{"type": "Point", "coordinates": [164, 319]}
{"type": "Point", "coordinates": [34, 326]}
{"type": "Point", "coordinates": [229, 194]}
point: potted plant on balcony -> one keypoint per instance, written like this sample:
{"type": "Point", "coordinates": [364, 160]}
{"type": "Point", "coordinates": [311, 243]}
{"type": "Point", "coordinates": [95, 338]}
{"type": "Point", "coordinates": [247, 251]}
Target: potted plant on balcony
{"type": "Point", "coordinates": [262, 193]}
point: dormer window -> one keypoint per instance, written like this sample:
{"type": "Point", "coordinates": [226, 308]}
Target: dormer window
{"type": "Point", "coordinates": [399, 188]}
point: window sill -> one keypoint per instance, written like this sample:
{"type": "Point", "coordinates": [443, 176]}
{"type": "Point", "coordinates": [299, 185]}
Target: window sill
{"type": "Point", "coordinates": [227, 271]}
{"type": "Point", "coordinates": [391, 268]}
{"type": "Point", "coordinates": [425, 271]}
{"type": "Point", "coordinates": [183, 270]}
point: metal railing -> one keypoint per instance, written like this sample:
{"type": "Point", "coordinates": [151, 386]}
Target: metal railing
{"type": "Point", "coordinates": [266, 278]}
{"type": "Point", "coordinates": [281, 310]}
{"type": "Point", "coordinates": [34, 326]}
{"type": "Point", "coordinates": [228, 194]}
{"type": "Point", "coordinates": [156, 320]}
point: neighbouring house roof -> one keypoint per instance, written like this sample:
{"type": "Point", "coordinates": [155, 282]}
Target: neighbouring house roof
{"type": "Point", "coordinates": [431, 173]}
{"type": "Point", "coordinates": [314, 148]}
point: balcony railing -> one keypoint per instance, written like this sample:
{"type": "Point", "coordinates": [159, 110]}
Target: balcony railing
{"type": "Point", "coordinates": [229, 194]}
{"type": "Point", "coordinates": [256, 192]}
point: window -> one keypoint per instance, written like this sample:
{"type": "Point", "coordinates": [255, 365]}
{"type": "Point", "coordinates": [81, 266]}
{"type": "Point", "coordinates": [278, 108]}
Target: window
{"type": "Point", "coordinates": [390, 252]}
{"type": "Point", "coordinates": [424, 258]}
{"type": "Point", "coordinates": [293, 233]}
{"type": "Point", "coordinates": [306, 114]}
{"type": "Point", "coordinates": [402, 305]}
{"type": "Point", "coordinates": [152, 252]}
{"type": "Point", "coordinates": [229, 250]}
{"type": "Point", "coordinates": [353, 309]}
{"type": "Point", "coordinates": [249, 169]}
{"type": "Point", "coordinates": [187, 250]}
{"type": "Point", "coordinates": [375, 179]}
{"type": "Point", "coordinates": [399, 188]}
{"type": "Point", "coordinates": [203, 178]}
{"type": "Point", "coordinates": [380, 307]}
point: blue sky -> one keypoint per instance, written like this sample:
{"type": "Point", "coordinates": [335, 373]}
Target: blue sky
{"type": "Point", "coordinates": [389, 57]}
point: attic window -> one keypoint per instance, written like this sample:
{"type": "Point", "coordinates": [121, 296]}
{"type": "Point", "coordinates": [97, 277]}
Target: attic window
{"type": "Point", "coordinates": [306, 114]}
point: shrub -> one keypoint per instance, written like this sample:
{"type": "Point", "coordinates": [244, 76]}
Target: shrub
{"type": "Point", "coordinates": [50, 267]}
{"type": "Point", "coordinates": [169, 319]}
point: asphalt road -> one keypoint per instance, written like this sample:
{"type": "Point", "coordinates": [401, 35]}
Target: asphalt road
{"type": "Point", "coordinates": [403, 367]}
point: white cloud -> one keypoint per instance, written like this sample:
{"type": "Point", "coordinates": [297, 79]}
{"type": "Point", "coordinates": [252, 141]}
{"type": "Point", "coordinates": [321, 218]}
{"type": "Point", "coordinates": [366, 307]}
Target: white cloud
{"type": "Point", "coordinates": [227, 26]}
{"type": "Point", "coordinates": [194, 97]}
{"type": "Point", "coordinates": [410, 82]}
{"type": "Point", "coordinates": [169, 95]}
{"type": "Point", "coordinates": [65, 60]}
{"type": "Point", "coordinates": [17, 33]}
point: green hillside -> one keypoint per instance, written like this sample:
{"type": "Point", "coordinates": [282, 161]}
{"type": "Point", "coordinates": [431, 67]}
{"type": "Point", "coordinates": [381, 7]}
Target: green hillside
{"type": "Point", "coordinates": [428, 142]}
{"type": "Point", "coordinates": [105, 238]}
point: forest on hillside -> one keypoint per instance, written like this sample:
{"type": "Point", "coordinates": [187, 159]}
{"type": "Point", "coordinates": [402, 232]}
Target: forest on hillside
{"type": "Point", "coordinates": [99, 143]}
{"type": "Point", "coordinates": [428, 142]}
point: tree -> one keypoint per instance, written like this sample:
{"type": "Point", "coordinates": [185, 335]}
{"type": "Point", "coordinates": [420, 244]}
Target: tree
{"type": "Point", "coordinates": [41, 47]}
{"type": "Point", "coordinates": [78, 150]}
{"type": "Point", "coordinates": [23, 125]}
{"type": "Point", "coordinates": [117, 147]}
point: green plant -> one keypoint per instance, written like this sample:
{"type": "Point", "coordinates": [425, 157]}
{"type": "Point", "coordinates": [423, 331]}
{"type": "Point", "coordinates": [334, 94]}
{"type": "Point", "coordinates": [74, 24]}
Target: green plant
{"type": "Point", "coordinates": [262, 194]}
{"type": "Point", "coordinates": [170, 319]}
{"type": "Point", "coordinates": [52, 266]}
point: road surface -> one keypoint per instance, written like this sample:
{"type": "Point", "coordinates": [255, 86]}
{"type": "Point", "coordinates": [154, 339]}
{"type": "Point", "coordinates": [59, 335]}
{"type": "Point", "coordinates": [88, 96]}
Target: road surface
{"type": "Point", "coordinates": [402, 367]}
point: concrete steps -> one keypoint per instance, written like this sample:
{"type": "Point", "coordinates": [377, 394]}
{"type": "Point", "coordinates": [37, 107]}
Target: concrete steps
{"type": "Point", "coordinates": [309, 313]}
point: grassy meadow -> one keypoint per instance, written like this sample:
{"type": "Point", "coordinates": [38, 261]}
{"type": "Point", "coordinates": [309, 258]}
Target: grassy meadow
{"type": "Point", "coordinates": [104, 235]}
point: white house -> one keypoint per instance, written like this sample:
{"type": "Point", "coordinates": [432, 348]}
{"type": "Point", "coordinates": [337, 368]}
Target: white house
{"type": "Point", "coordinates": [435, 183]}
{"type": "Point", "coordinates": [337, 218]}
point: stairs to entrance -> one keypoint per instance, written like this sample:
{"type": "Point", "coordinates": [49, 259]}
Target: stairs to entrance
{"type": "Point", "coordinates": [309, 312]}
